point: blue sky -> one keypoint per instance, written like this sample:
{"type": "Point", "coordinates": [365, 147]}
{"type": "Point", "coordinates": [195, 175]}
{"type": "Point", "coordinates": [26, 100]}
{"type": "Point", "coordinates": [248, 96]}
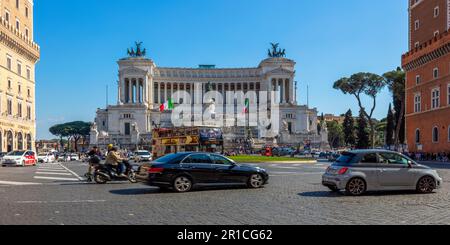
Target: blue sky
{"type": "Point", "coordinates": [82, 40]}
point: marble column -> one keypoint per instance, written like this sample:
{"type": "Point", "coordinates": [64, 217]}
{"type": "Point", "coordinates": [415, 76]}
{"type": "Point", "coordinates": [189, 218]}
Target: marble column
{"type": "Point", "coordinates": [287, 92]}
{"type": "Point", "coordinates": [130, 91]}
{"type": "Point", "coordinates": [165, 93]}
{"type": "Point", "coordinates": [158, 100]}
{"type": "Point", "coordinates": [138, 91]}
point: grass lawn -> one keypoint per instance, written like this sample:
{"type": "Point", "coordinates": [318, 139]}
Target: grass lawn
{"type": "Point", "coordinates": [262, 159]}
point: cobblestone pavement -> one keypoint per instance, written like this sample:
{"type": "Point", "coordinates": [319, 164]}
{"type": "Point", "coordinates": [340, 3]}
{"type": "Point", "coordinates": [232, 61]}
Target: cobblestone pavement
{"type": "Point", "coordinates": [294, 196]}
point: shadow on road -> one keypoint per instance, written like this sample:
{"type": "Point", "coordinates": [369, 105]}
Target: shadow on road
{"type": "Point", "coordinates": [329, 194]}
{"type": "Point", "coordinates": [136, 191]}
{"type": "Point", "coordinates": [321, 194]}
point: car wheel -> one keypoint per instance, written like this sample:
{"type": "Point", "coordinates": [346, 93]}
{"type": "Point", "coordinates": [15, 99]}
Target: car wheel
{"type": "Point", "coordinates": [426, 185]}
{"type": "Point", "coordinates": [256, 181]}
{"type": "Point", "coordinates": [182, 184]}
{"type": "Point", "coordinates": [356, 187]}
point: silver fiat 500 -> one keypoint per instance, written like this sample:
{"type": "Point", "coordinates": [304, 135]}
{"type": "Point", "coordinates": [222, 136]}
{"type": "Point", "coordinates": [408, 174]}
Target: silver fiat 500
{"type": "Point", "coordinates": [360, 171]}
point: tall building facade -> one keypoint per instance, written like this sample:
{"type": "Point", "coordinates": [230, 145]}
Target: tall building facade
{"type": "Point", "coordinates": [427, 66]}
{"type": "Point", "coordinates": [143, 87]}
{"type": "Point", "coordinates": [18, 57]}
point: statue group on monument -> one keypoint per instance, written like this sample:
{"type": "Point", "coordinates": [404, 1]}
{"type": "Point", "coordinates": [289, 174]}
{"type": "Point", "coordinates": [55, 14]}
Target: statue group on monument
{"type": "Point", "coordinates": [276, 52]}
{"type": "Point", "coordinates": [138, 52]}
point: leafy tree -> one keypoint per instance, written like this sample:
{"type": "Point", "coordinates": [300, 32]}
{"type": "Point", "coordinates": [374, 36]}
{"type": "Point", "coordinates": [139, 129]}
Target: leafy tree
{"type": "Point", "coordinates": [390, 125]}
{"type": "Point", "coordinates": [361, 84]}
{"type": "Point", "coordinates": [336, 136]}
{"type": "Point", "coordinates": [396, 81]}
{"type": "Point", "coordinates": [349, 129]}
{"type": "Point", "coordinates": [363, 136]}
{"type": "Point", "coordinates": [72, 130]}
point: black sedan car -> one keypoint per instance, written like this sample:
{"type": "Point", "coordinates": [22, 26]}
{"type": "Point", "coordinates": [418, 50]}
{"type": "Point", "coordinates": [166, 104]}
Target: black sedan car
{"type": "Point", "coordinates": [184, 171]}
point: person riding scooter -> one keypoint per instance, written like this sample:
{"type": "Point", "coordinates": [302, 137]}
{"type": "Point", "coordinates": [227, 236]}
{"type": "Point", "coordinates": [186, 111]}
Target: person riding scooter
{"type": "Point", "coordinates": [94, 158]}
{"type": "Point", "coordinates": [115, 160]}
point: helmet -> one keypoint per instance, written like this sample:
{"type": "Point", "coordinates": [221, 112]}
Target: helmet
{"type": "Point", "coordinates": [110, 146]}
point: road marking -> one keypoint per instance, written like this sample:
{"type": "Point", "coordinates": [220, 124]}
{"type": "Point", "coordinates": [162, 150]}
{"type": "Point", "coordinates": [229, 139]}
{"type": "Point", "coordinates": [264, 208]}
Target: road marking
{"type": "Point", "coordinates": [72, 172]}
{"type": "Point", "coordinates": [55, 168]}
{"type": "Point", "coordinates": [75, 201]}
{"type": "Point", "coordinates": [56, 178]}
{"type": "Point", "coordinates": [17, 183]}
{"type": "Point", "coordinates": [52, 170]}
{"type": "Point", "coordinates": [49, 173]}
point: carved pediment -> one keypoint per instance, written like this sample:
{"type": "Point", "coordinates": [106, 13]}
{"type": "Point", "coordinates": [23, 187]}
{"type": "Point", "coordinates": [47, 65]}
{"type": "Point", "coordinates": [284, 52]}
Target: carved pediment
{"type": "Point", "coordinates": [133, 71]}
{"type": "Point", "coordinates": [280, 71]}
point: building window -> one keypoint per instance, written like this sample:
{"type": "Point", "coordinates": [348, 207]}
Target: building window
{"type": "Point", "coordinates": [19, 109]}
{"type": "Point", "coordinates": [29, 93]}
{"type": "Point", "coordinates": [9, 63]}
{"type": "Point", "coordinates": [435, 135]}
{"type": "Point", "coordinates": [127, 129]}
{"type": "Point", "coordinates": [27, 33]}
{"type": "Point", "coordinates": [416, 25]}
{"type": "Point", "coordinates": [417, 80]}
{"type": "Point", "coordinates": [19, 68]}
{"type": "Point", "coordinates": [29, 112]}
{"type": "Point", "coordinates": [435, 95]}
{"type": "Point", "coordinates": [18, 25]}
{"type": "Point", "coordinates": [26, 11]}
{"type": "Point", "coordinates": [417, 136]}
{"type": "Point", "coordinates": [7, 16]}
{"type": "Point", "coordinates": [417, 44]}
{"type": "Point", "coordinates": [9, 84]}
{"type": "Point", "coordinates": [435, 73]}
{"type": "Point", "coordinates": [17, 3]}
{"type": "Point", "coordinates": [9, 107]}
{"type": "Point", "coordinates": [448, 94]}
{"type": "Point", "coordinates": [436, 11]}
{"type": "Point", "coordinates": [20, 88]}
{"type": "Point", "coordinates": [28, 73]}
{"type": "Point", "coordinates": [436, 33]}
{"type": "Point", "coordinates": [417, 103]}
{"type": "Point", "coordinates": [448, 133]}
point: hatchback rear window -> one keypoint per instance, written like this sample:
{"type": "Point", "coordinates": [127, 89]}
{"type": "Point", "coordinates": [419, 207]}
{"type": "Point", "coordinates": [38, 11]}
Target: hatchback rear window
{"type": "Point", "coordinates": [345, 158]}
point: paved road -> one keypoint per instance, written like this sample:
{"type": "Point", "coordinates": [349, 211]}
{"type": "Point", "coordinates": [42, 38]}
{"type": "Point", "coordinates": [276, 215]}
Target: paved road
{"type": "Point", "coordinates": [53, 194]}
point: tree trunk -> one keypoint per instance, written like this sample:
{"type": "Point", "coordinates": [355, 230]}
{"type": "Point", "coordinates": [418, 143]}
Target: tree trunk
{"type": "Point", "coordinates": [372, 132]}
{"type": "Point", "coordinates": [75, 141]}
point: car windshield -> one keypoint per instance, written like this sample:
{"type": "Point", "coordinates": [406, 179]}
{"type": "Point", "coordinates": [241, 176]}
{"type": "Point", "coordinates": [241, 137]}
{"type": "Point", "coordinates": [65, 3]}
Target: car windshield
{"type": "Point", "coordinates": [143, 153]}
{"type": "Point", "coordinates": [16, 153]}
{"type": "Point", "coordinates": [171, 158]}
{"type": "Point", "coordinates": [345, 158]}
{"type": "Point", "coordinates": [42, 155]}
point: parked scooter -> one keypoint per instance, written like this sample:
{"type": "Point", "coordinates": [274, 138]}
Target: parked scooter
{"type": "Point", "coordinates": [105, 173]}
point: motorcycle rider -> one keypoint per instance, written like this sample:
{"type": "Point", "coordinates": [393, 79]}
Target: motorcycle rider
{"type": "Point", "coordinates": [114, 159]}
{"type": "Point", "coordinates": [94, 158]}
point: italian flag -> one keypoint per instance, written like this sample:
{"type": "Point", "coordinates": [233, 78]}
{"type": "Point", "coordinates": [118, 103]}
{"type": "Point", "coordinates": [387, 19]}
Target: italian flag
{"type": "Point", "coordinates": [167, 106]}
{"type": "Point", "coordinates": [247, 106]}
